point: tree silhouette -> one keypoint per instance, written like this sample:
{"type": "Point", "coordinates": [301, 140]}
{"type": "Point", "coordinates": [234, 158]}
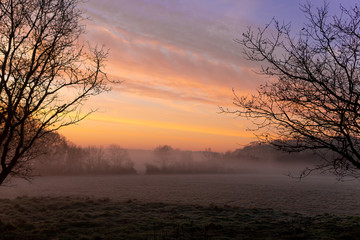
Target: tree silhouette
{"type": "Point", "coordinates": [163, 155]}
{"type": "Point", "coordinates": [312, 97]}
{"type": "Point", "coordinates": [45, 76]}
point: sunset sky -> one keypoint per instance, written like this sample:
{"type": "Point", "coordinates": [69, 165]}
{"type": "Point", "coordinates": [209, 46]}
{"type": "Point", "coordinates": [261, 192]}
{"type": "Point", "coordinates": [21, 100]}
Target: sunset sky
{"type": "Point", "coordinates": [178, 62]}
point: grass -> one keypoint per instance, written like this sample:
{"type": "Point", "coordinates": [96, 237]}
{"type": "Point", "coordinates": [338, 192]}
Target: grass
{"type": "Point", "coordinates": [85, 218]}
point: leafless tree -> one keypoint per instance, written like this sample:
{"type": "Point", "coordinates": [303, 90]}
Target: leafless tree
{"type": "Point", "coordinates": [312, 97]}
{"type": "Point", "coordinates": [164, 155]}
{"type": "Point", "coordinates": [46, 73]}
{"type": "Point", "coordinates": [211, 156]}
{"type": "Point", "coordinates": [119, 158]}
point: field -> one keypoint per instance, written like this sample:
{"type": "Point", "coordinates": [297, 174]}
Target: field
{"type": "Point", "coordinates": [157, 207]}
{"type": "Point", "coordinates": [311, 196]}
{"type": "Point", "coordinates": [88, 218]}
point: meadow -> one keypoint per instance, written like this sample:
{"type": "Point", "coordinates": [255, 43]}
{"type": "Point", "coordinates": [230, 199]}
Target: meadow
{"type": "Point", "coordinates": [179, 207]}
{"type": "Point", "coordinates": [312, 195]}
{"type": "Point", "coordinates": [25, 218]}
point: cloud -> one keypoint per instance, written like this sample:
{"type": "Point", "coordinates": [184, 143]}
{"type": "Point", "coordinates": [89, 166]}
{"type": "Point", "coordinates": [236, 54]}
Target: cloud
{"type": "Point", "coordinates": [157, 92]}
{"type": "Point", "coordinates": [154, 67]}
{"type": "Point", "coordinates": [152, 24]}
{"type": "Point", "coordinates": [179, 62]}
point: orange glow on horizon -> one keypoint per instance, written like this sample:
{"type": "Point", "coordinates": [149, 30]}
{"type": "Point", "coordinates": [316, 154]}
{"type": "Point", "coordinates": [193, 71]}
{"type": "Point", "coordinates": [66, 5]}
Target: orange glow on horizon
{"type": "Point", "coordinates": [140, 134]}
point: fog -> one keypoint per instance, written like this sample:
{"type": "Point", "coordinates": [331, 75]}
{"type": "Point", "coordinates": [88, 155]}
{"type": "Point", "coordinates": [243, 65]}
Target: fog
{"type": "Point", "coordinates": [254, 158]}
{"type": "Point", "coordinates": [254, 176]}
{"type": "Point", "coordinates": [69, 159]}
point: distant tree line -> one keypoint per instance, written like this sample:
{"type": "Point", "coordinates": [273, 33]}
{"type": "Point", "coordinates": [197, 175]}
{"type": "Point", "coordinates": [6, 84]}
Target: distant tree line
{"type": "Point", "coordinates": [256, 152]}
{"type": "Point", "coordinates": [252, 158]}
{"type": "Point", "coordinates": [64, 158]}
{"type": "Point", "coordinates": [61, 157]}
{"type": "Point", "coordinates": [168, 160]}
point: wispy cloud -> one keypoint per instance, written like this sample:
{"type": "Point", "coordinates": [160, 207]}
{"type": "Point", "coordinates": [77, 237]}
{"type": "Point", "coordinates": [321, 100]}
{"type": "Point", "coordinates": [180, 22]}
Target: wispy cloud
{"type": "Point", "coordinates": [166, 69]}
{"type": "Point", "coordinates": [179, 61]}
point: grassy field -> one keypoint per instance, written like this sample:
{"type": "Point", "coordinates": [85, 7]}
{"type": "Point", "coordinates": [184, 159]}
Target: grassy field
{"type": "Point", "coordinates": [84, 218]}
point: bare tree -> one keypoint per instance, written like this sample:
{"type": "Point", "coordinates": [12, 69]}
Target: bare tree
{"type": "Point", "coordinates": [312, 97]}
{"type": "Point", "coordinates": [163, 155]}
{"type": "Point", "coordinates": [211, 156]}
{"type": "Point", "coordinates": [45, 76]}
{"type": "Point", "coordinates": [119, 160]}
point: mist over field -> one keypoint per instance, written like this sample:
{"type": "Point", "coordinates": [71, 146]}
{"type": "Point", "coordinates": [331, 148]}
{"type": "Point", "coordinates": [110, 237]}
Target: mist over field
{"type": "Point", "coordinates": [312, 195]}
{"type": "Point", "coordinates": [69, 159]}
{"type": "Point", "coordinates": [168, 193]}
{"type": "Point", "coordinates": [255, 158]}
{"type": "Point", "coordinates": [254, 176]}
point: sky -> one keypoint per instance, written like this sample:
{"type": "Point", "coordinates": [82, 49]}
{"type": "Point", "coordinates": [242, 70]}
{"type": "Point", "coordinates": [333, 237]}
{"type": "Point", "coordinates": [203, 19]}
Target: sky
{"type": "Point", "coordinates": [178, 63]}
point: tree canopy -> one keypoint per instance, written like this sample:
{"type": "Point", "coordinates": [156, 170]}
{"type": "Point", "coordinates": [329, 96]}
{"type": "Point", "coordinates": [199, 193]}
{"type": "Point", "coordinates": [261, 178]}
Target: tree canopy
{"type": "Point", "coordinates": [311, 99]}
{"type": "Point", "coordinates": [46, 73]}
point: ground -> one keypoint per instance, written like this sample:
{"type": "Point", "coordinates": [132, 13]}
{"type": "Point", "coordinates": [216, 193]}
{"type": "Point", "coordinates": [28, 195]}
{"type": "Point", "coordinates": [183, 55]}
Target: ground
{"type": "Point", "coordinates": [86, 218]}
